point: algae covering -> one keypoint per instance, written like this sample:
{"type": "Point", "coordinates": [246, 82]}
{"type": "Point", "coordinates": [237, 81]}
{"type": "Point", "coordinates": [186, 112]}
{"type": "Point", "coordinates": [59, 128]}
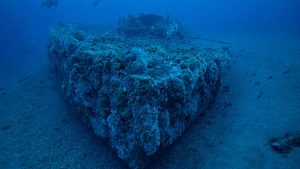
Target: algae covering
{"type": "Point", "coordinates": [138, 93]}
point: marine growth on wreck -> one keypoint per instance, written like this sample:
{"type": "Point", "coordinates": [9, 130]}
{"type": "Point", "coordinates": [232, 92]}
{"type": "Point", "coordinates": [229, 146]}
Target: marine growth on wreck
{"type": "Point", "coordinates": [140, 86]}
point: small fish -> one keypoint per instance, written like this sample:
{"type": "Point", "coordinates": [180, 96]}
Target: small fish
{"type": "Point", "coordinates": [287, 71]}
{"type": "Point", "coordinates": [285, 144]}
{"type": "Point", "coordinates": [50, 3]}
{"type": "Point", "coordinates": [6, 127]}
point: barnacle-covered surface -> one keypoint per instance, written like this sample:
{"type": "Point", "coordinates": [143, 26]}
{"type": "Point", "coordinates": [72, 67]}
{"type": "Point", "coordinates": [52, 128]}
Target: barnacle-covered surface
{"type": "Point", "coordinates": [139, 93]}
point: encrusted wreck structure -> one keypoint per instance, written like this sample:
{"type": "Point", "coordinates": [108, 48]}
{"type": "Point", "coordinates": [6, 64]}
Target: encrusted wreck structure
{"type": "Point", "coordinates": [152, 26]}
{"type": "Point", "coordinates": [140, 93]}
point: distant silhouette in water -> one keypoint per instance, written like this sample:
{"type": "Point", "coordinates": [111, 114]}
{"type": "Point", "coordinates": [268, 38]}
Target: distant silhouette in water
{"type": "Point", "coordinates": [96, 2]}
{"type": "Point", "coordinates": [50, 3]}
{"type": "Point", "coordinates": [54, 3]}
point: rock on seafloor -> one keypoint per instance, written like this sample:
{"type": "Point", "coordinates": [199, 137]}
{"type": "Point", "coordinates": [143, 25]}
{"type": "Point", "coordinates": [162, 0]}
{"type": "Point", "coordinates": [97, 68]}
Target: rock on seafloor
{"type": "Point", "coordinates": [139, 93]}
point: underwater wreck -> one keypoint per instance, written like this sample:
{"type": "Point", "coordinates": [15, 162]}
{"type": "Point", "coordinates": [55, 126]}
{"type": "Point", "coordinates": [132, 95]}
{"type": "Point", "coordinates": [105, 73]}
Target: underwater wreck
{"type": "Point", "coordinates": [141, 86]}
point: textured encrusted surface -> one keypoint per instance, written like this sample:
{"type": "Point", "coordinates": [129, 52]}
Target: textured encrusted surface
{"type": "Point", "coordinates": [141, 94]}
{"type": "Point", "coordinates": [152, 25]}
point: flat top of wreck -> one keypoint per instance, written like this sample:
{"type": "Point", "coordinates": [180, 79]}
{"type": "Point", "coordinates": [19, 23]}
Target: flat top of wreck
{"type": "Point", "coordinates": [151, 56]}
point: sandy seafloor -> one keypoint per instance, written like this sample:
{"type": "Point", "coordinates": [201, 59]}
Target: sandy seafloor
{"type": "Point", "coordinates": [261, 99]}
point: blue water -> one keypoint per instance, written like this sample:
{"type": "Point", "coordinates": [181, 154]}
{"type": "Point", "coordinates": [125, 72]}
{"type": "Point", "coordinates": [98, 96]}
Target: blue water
{"type": "Point", "coordinates": [24, 25]}
{"type": "Point", "coordinates": [265, 35]}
